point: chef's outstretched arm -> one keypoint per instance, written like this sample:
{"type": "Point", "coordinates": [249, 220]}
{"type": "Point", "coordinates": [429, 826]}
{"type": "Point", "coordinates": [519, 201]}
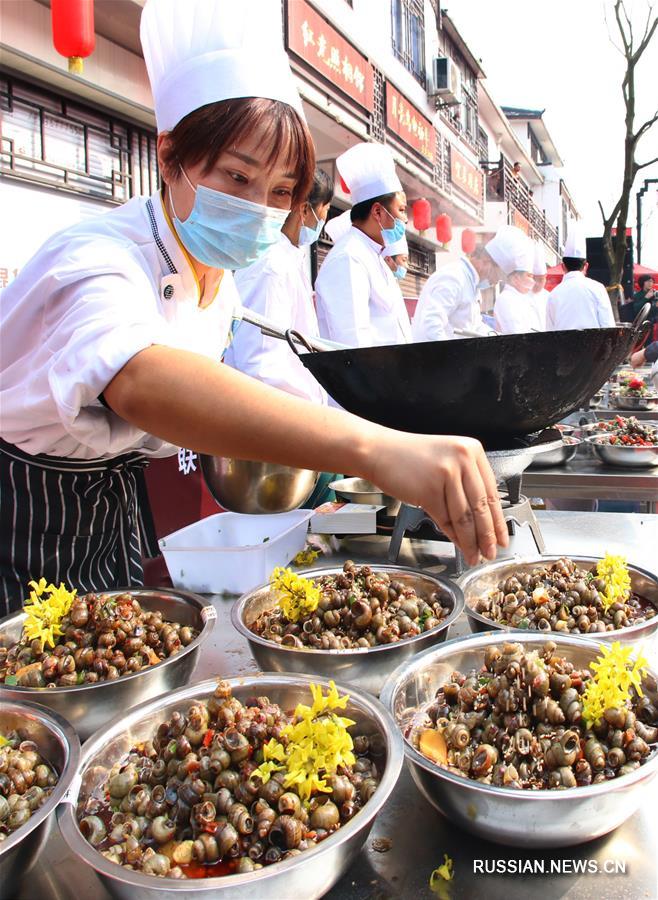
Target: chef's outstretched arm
{"type": "Point", "coordinates": [193, 402]}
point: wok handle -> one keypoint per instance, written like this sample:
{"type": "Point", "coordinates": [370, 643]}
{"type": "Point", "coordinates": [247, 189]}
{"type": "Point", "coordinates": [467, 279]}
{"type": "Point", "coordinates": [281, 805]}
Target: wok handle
{"type": "Point", "coordinates": [294, 338]}
{"type": "Point", "coordinates": [641, 317]}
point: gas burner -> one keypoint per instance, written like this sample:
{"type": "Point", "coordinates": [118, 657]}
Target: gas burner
{"type": "Point", "coordinates": [511, 461]}
{"type": "Point", "coordinates": [517, 511]}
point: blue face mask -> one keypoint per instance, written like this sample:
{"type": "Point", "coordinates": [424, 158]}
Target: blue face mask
{"type": "Point", "coordinates": [226, 232]}
{"type": "Point", "coordinates": [400, 272]}
{"type": "Point", "coordinates": [394, 234]}
{"type": "Point", "coordinates": [310, 235]}
{"type": "Point", "coordinates": [484, 284]}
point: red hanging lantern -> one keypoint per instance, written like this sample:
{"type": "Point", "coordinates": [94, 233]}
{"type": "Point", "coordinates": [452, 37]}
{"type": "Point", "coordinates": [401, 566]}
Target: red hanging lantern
{"type": "Point", "coordinates": [73, 30]}
{"type": "Point", "coordinates": [344, 188]}
{"type": "Point", "coordinates": [443, 228]}
{"type": "Point", "coordinates": [422, 214]}
{"type": "Point", "coordinates": [468, 240]}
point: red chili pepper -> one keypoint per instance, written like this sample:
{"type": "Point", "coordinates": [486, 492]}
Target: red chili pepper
{"type": "Point", "coordinates": [208, 736]}
{"type": "Point", "coordinates": [211, 827]}
{"type": "Point", "coordinates": [635, 383]}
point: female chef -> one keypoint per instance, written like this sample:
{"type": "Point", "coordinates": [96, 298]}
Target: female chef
{"type": "Point", "coordinates": [111, 334]}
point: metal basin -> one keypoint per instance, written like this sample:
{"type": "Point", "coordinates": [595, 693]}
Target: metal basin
{"type": "Point", "coordinates": [485, 578]}
{"type": "Point", "coordinates": [558, 456]}
{"type": "Point", "coordinates": [624, 457]}
{"type": "Point", "coordinates": [627, 401]}
{"type": "Point", "coordinates": [519, 818]}
{"type": "Point", "coordinates": [367, 667]}
{"type": "Point", "coordinates": [308, 875]}
{"type": "Point", "coordinates": [88, 706]}
{"type": "Point", "coordinates": [358, 490]}
{"type": "Point", "coordinates": [59, 744]}
{"type": "Point", "coordinates": [257, 488]}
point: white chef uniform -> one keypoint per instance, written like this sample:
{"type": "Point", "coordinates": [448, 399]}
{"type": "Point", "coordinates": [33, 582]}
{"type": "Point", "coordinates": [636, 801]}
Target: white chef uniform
{"type": "Point", "coordinates": [578, 302]}
{"type": "Point", "coordinates": [514, 312]}
{"type": "Point", "coordinates": [539, 299]}
{"type": "Point", "coordinates": [277, 286]}
{"type": "Point", "coordinates": [450, 299]}
{"type": "Point", "coordinates": [359, 302]}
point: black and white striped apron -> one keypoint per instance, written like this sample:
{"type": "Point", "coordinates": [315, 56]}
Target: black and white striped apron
{"type": "Point", "coordinates": [73, 521]}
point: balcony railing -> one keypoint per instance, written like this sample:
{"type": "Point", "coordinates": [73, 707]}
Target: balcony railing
{"type": "Point", "coordinates": [503, 186]}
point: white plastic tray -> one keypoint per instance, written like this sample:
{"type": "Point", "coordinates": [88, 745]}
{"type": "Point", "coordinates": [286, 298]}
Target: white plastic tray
{"type": "Point", "coordinates": [233, 552]}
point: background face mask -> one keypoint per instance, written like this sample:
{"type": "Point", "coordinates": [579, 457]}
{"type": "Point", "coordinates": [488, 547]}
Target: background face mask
{"type": "Point", "coordinates": [226, 232]}
{"type": "Point", "coordinates": [400, 272]}
{"type": "Point", "coordinates": [394, 234]}
{"type": "Point", "coordinates": [310, 235]}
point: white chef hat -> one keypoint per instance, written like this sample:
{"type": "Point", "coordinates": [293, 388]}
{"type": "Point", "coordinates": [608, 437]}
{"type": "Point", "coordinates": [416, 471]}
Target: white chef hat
{"type": "Point", "coordinates": [203, 51]}
{"type": "Point", "coordinates": [511, 249]}
{"type": "Point", "coordinates": [539, 260]}
{"type": "Point", "coordinates": [338, 226]}
{"type": "Point", "coordinates": [369, 171]}
{"type": "Point", "coordinates": [575, 245]}
{"type": "Point", "coordinates": [398, 248]}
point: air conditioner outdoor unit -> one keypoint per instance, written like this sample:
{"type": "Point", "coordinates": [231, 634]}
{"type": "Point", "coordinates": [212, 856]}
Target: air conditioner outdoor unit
{"type": "Point", "coordinates": [446, 82]}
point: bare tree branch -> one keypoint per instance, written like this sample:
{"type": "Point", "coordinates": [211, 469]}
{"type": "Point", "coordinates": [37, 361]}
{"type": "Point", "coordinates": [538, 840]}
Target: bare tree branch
{"type": "Point", "coordinates": [646, 126]}
{"type": "Point", "coordinates": [643, 165]}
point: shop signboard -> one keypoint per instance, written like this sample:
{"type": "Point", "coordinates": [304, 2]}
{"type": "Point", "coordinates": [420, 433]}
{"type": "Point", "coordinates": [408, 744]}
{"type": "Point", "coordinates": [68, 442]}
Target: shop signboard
{"type": "Point", "coordinates": [409, 124]}
{"type": "Point", "coordinates": [465, 176]}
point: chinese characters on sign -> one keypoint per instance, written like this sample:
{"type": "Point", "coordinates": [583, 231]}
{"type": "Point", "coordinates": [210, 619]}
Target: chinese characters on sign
{"type": "Point", "coordinates": [465, 175]}
{"type": "Point", "coordinates": [186, 461]}
{"type": "Point", "coordinates": [520, 221]}
{"type": "Point", "coordinates": [312, 39]}
{"type": "Point", "coordinates": [409, 124]}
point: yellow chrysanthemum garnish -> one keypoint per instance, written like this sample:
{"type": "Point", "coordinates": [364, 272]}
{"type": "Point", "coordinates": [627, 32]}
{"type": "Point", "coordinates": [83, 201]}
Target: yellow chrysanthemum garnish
{"type": "Point", "coordinates": [296, 596]}
{"type": "Point", "coordinates": [305, 557]}
{"type": "Point", "coordinates": [614, 571]}
{"type": "Point", "coordinates": [46, 607]}
{"type": "Point", "coordinates": [615, 674]}
{"type": "Point", "coordinates": [318, 742]}
{"type": "Point", "coordinates": [3, 741]}
{"type": "Point", "coordinates": [446, 871]}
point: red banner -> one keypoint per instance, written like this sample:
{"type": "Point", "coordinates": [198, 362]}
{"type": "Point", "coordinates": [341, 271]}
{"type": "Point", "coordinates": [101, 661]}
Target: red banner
{"type": "Point", "coordinates": [409, 124]}
{"type": "Point", "coordinates": [520, 221]}
{"type": "Point", "coordinates": [465, 175]}
{"type": "Point", "coordinates": [314, 40]}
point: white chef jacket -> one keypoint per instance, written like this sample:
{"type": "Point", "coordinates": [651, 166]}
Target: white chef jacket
{"type": "Point", "coordinates": [578, 302]}
{"type": "Point", "coordinates": [449, 300]}
{"type": "Point", "coordinates": [92, 297]}
{"type": "Point", "coordinates": [514, 312]}
{"type": "Point", "coordinates": [539, 302]}
{"type": "Point", "coordinates": [359, 302]}
{"type": "Point", "coordinates": [276, 286]}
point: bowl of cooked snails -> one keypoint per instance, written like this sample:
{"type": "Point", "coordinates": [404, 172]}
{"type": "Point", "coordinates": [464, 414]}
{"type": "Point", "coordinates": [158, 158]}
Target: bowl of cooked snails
{"type": "Point", "coordinates": [177, 798]}
{"type": "Point", "coordinates": [498, 739]}
{"type": "Point", "coordinates": [39, 755]}
{"type": "Point", "coordinates": [554, 594]}
{"type": "Point", "coordinates": [367, 620]}
{"type": "Point", "coordinates": [116, 649]}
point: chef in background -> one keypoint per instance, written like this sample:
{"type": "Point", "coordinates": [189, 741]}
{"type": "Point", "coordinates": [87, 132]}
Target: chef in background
{"type": "Point", "coordinates": [578, 301]}
{"type": "Point", "coordinates": [359, 303]}
{"type": "Point", "coordinates": [278, 287]}
{"type": "Point", "coordinates": [396, 257]}
{"type": "Point", "coordinates": [539, 295]}
{"type": "Point", "coordinates": [450, 300]}
{"type": "Point", "coordinates": [514, 312]}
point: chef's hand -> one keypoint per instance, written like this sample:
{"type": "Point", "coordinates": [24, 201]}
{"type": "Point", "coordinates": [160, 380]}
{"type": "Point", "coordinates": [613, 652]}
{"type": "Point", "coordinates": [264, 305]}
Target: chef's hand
{"type": "Point", "coordinates": [637, 359]}
{"type": "Point", "coordinates": [451, 479]}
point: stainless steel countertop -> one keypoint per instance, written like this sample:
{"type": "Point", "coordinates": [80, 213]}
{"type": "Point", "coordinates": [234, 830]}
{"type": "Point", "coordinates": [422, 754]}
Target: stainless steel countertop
{"type": "Point", "coordinates": [586, 477]}
{"type": "Point", "coordinates": [419, 835]}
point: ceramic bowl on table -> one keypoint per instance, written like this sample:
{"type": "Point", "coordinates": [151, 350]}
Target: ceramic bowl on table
{"type": "Point", "coordinates": [516, 817]}
{"type": "Point", "coordinates": [88, 706]}
{"type": "Point", "coordinates": [623, 456]}
{"type": "Point", "coordinates": [257, 488]}
{"type": "Point", "coordinates": [309, 874]}
{"type": "Point", "coordinates": [559, 456]}
{"type": "Point", "coordinates": [367, 667]}
{"type": "Point", "coordinates": [479, 581]}
{"type": "Point", "coordinates": [59, 745]}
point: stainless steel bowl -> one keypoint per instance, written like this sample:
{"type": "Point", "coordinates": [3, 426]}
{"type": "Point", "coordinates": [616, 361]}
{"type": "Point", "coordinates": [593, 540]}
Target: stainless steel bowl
{"type": "Point", "coordinates": [565, 430]}
{"type": "Point", "coordinates": [629, 402]}
{"type": "Point", "coordinates": [505, 815]}
{"type": "Point", "coordinates": [485, 578]}
{"type": "Point", "coordinates": [559, 456]}
{"type": "Point", "coordinates": [59, 744]}
{"type": "Point", "coordinates": [257, 488]}
{"type": "Point", "coordinates": [88, 706]}
{"type": "Point", "coordinates": [309, 875]}
{"type": "Point", "coordinates": [368, 667]}
{"type": "Point", "coordinates": [358, 490]}
{"type": "Point", "coordinates": [624, 457]}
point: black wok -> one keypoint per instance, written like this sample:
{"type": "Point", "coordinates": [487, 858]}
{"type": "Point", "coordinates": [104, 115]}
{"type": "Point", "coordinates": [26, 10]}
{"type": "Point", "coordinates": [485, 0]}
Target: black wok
{"type": "Point", "coordinates": [492, 388]}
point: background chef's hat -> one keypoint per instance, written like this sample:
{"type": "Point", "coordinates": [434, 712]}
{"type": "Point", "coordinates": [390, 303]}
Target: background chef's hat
{"type": "Point", "coordinates": [203, 51]}
{"type": "Point", "coordinates": [398, 248]}
{"type": "Point", "coordinates": [539, 260]}
{"type": "Point", "coordinates": [511, 249]}
{"type": "Point", "coordinates": [369, 171]}
{"type": "Point", "coordinates": [575, 245]}
{"type": "Point", "coordinates": [338, 226]}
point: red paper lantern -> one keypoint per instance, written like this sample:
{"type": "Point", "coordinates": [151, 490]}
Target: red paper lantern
{"type": "Point", "coordinates": [468, 240]}
{"type": "Point", "coordinates": [343, 186]}
{"type": "Point", "coordinates": [73, 30]}
{"type": "Point", "coordinates": [443, 228]}
{"type": "Point", "coordinates": [422, 214]}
